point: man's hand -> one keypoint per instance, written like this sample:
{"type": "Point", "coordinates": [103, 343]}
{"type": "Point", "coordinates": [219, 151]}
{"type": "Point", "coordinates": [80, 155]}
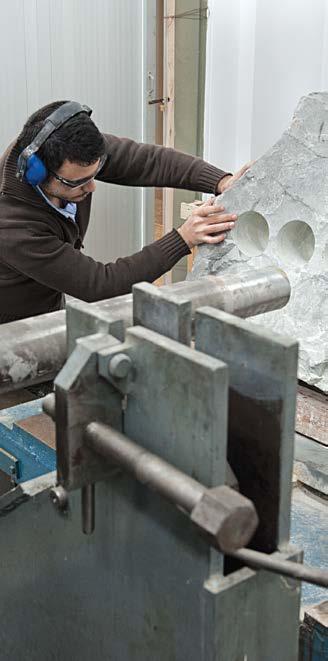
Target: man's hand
{"type": "Point", "coordinates": [207, 224]}
{"type": "Point", "coordinates": [228, 181]}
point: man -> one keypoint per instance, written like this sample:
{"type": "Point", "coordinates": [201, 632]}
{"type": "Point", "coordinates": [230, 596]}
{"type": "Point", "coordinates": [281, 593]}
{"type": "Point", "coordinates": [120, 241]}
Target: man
{"type": "Point", "coordinates": [43, 219]}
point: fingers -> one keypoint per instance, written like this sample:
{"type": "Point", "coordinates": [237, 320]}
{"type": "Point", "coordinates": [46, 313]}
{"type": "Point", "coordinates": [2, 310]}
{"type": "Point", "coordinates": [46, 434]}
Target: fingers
{"type": "Point", "coordinates": [214, 239]}
{"type": "Point", "coordinates": [221, 218]}
{"type": "Point", "coordinates": [219, 227]}
{"type": "Point", "coordinates": [207, 224]}
{"type": "Point", "coordinates": [214, 214]}
{"type": "Point", "coordinates": [206, 209]}
{"type": "Point", "coordinates": [245, 168]}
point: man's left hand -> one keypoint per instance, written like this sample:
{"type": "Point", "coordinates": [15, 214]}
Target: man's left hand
{"type": "Point", "coordinates": [226, 182]}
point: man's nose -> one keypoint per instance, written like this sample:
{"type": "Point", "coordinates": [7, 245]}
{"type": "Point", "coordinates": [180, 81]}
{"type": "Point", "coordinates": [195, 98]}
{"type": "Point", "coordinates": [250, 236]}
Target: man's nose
{"type": "Point", "coordinates": [90, 187]}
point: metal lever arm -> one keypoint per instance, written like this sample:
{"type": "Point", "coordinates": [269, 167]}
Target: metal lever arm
{"type": "Point", "coordinates": [212, 509]}
{"type": "Point", "coordinates": [221, 512]}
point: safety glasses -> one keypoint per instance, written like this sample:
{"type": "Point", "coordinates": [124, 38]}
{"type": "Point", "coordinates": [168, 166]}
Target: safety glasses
{"type": "Point", "coordinates": [76, 183]}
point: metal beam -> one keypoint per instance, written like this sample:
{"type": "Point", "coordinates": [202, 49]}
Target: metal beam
{"type": "Point", "coordinates": [33, 350]}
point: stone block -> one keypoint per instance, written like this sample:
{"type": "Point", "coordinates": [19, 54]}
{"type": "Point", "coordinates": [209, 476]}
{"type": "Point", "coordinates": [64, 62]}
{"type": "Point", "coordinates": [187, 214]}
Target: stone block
{"type": "Point", "coordinates": [282, 205]}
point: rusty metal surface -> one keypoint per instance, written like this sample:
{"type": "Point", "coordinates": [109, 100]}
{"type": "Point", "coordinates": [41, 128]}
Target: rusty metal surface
{"type": "Point", "coordinates": [32, 350]}
{"type": "Point", "coordinates": [41, 427]}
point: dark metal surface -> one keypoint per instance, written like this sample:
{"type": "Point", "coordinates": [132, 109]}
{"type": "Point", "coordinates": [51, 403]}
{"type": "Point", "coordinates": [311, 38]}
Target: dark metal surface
{"type": "Point", "coordinates": [88, 508]}
{"type": "Point", "coordinates": [262, 392]}
{"type": "Point", "coordinates": [34, 350]}
{"type": "Point", "coordinates": [86, 590]}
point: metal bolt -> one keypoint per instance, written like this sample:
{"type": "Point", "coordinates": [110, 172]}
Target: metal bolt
{"type": "Point", "coordinates": [119, 366]}
{"type": "Point", "coordinates": [59, 498]}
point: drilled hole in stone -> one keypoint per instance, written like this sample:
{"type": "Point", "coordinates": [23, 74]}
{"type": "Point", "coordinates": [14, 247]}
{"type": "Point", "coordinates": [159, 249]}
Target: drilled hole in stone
{"type": "Point", "coordinates": [251, 233]}
{"type": "Point", "coordinates": [296, 242]}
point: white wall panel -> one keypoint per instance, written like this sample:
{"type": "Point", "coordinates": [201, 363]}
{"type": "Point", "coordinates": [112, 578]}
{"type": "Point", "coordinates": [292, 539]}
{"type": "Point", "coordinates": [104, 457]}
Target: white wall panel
{"type": "Point", "coordinates": [95, 53]}
{"type": "Point", "coordinates": [262, 56]}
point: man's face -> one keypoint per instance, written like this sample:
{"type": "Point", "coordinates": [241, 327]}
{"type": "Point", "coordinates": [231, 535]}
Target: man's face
{"type": "Point", "coordinates": [73, 173]}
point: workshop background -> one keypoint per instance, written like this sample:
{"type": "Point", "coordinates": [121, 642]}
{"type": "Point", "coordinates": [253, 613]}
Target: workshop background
{"type": "Point", "coordinates": [217, 79]}
{"type": "Point", "coordinates": [237, 70]}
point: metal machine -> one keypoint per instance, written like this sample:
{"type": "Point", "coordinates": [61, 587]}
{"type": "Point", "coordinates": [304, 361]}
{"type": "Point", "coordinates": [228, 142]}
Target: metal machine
{"type": "Point", "coordinates": [165, 401]}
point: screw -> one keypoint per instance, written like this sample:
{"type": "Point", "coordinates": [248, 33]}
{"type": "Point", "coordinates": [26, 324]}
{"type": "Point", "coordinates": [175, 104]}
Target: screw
{"type": "Point", "coordinates": [119, 366]}
{"type": "Point", "coordinates": [59, 498]}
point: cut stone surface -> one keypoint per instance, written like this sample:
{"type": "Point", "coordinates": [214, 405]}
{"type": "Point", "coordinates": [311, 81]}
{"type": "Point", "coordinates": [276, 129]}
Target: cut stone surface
{"type": "Point", "coordinates": [282, 207]}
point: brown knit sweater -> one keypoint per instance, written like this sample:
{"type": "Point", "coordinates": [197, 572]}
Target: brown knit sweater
{"type": "Point", "coordinates": [40, 256]}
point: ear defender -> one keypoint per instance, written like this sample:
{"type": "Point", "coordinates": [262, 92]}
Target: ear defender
{"type": "Point", "coordinates": [36, 171]}
{"type": "Point", "coordinates": [29, 166]}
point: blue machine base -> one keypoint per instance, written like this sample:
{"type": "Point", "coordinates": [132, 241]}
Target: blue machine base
{"type": "Point", "coordinates": [21, 454]}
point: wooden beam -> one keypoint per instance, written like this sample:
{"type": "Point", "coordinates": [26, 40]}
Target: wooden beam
{"type": "Point", "coordinates": [312, 414]}
{"type": "Point", "coordinates": [168, 94]}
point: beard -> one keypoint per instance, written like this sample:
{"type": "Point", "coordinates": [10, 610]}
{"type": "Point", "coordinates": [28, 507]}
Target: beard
{"type": "Point", "coordinates": [62, 198]}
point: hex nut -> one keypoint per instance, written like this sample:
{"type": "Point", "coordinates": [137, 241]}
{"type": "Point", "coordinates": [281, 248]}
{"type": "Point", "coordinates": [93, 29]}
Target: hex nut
{"type": "Point", "coordinates": [59, 498]}
{"type": "Point", "coordinates": [226, 515]}
{"type": "Point", "coordinates": [119, 366]}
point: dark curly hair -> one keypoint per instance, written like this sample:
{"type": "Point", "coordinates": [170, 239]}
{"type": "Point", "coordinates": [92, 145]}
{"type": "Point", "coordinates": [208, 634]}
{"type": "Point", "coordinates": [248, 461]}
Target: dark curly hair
{"type": "Point", "coordinates": [78, 140]}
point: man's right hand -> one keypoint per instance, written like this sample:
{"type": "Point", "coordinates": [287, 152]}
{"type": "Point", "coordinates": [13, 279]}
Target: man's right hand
{"type": "Point", "coordinates": [207, 224]}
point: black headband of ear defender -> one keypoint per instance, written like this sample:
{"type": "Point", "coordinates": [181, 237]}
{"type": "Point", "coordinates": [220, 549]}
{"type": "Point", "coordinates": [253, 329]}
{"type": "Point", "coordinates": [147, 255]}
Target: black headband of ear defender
{"type": "Point", "coordinates": [51, 124]}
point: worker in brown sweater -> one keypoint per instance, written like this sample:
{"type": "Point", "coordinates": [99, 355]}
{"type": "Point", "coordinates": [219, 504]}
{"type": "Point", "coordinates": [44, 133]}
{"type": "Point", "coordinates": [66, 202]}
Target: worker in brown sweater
{"type": "Point", "coordinates": [47, 178]}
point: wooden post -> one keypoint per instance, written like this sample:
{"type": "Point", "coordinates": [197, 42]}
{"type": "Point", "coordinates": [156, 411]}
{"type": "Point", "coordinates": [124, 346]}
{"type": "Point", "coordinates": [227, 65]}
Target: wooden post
{"type": "Point", "coordinates": [168, 94]}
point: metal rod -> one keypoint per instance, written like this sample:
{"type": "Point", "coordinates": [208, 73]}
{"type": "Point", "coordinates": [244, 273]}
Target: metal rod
{"type": "Point", "coordinates": [88, 508]}
{"type": "Point", "coordinates": [289, 568]}
{"type": "Point", "coordinates": [187, 492]}
{"type": "Point", "coordinates": [49, 405]}
{"type": "Point", "coordinates": [34, 350]}
{"type": "Point", "coordinates": [226, 514]}
{"type": "Point", "coordinates": [245, 294]}
{"type": "Point", "coordinates": [148, 468]}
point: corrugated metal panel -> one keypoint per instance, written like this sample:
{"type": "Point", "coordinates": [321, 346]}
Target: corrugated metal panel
{"type": "Point", "coordinates": [93, 53]}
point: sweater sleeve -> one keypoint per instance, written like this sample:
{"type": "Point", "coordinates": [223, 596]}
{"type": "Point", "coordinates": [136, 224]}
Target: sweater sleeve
{"type": "Point", "coordinates": [54, 263]}
{"type": "Point", "coordinates": [138, 164]}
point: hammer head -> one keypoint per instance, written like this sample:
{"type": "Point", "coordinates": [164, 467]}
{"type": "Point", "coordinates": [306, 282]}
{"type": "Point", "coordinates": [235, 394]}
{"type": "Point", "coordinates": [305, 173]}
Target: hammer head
{"type": "Point", "coordinates": [226, 515]}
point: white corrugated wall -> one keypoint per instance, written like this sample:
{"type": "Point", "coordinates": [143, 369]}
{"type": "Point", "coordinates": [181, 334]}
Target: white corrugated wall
{"type": "Point", "coordinates": [262, 56]}
{"type": "Point", "coordinates": [94, 52]}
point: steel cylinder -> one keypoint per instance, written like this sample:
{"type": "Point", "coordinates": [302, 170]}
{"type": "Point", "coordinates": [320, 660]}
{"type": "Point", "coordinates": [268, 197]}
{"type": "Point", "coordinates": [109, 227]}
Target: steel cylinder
{"type": "Point", "coordinates": [247, 293]}
{"type": "Point", "coordinates": [147, 467]}
{"type": "Point", "coordinates": [34, 350]}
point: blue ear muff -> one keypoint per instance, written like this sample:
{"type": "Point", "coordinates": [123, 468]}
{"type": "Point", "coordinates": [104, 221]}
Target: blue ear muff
{"type": "Point", "coordinates": [36, 171]}
{"type": "Point", "coordinates": [29, 165]}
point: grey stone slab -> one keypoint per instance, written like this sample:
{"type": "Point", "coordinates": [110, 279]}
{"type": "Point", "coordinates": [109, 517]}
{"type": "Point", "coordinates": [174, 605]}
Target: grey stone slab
{"type": "Point", "coordinates": [282, 204]}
